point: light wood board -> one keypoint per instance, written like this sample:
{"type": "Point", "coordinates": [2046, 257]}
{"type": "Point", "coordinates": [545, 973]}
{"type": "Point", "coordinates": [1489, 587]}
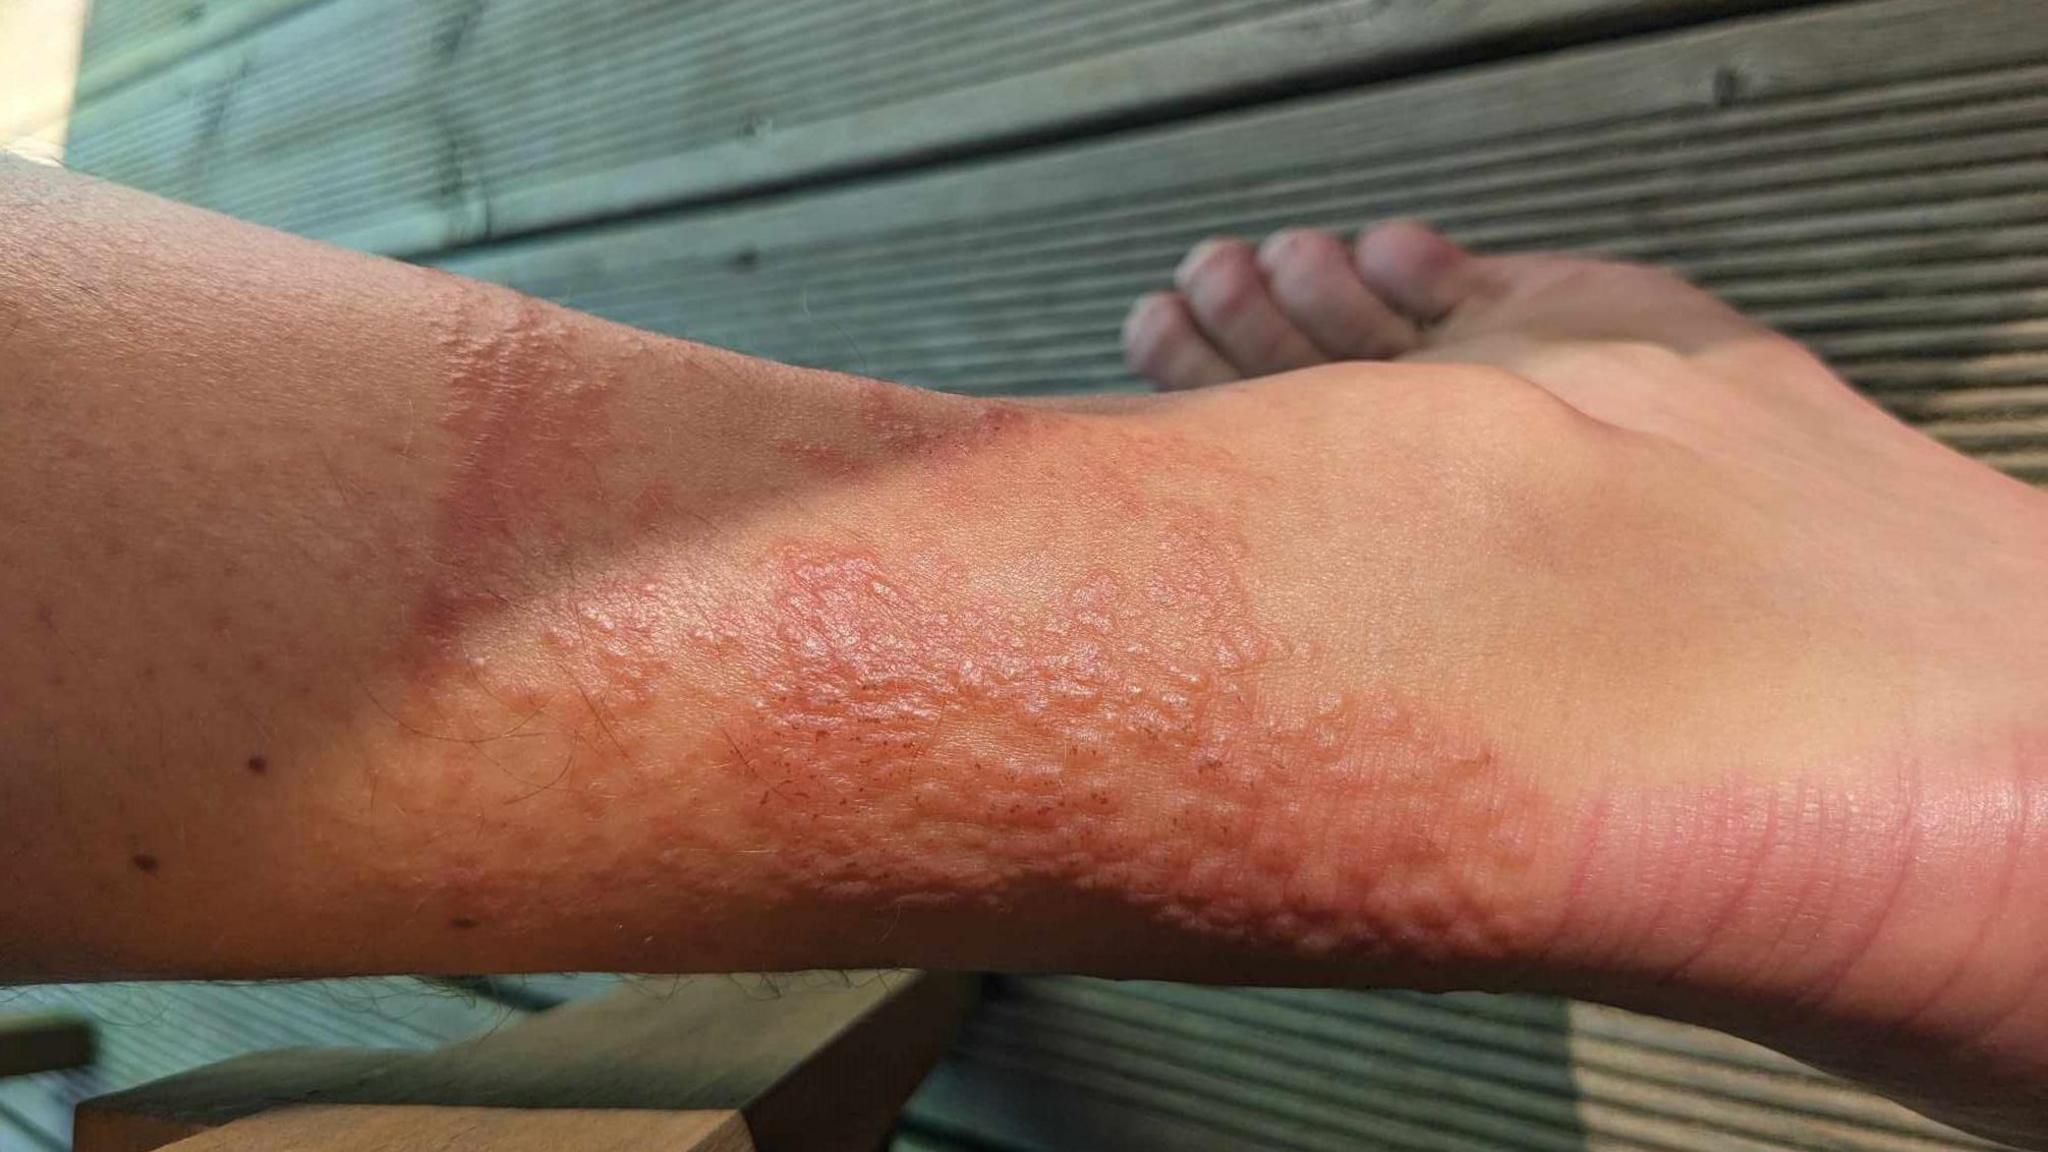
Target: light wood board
{"type": "Point", "coordinates": [147, 1031]}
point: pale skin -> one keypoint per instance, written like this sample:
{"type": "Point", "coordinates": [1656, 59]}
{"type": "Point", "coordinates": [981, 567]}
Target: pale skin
{"type": "Point", "coordinates": [1541, 624]}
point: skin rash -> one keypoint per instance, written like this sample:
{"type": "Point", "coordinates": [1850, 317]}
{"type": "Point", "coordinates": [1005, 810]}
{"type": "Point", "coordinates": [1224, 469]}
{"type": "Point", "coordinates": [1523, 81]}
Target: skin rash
{"type": "Point", "coordinates": [611, 666]}
{"type": "Point", "coordinates": [908, 748]}
{"type": "Point", "coordinates": [879, 722]}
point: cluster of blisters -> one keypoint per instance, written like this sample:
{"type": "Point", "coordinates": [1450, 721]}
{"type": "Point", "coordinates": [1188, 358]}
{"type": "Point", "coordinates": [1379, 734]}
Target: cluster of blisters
{"type": "Point", "coordinates": [919, 738]}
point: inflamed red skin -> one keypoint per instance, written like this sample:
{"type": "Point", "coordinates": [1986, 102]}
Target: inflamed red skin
{"type": "Point", "coordinates": [883, 728]}
{"type": "Point", "coordinates": [914, 750]}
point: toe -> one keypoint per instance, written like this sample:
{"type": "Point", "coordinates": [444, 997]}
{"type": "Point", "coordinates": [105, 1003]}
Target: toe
{"type": "Point", "coordinates": [1225, 289]}
{"type": "Point", "coordinates": [1163, 344]}
{"type": "Point", "coordinates": [1313, 279]}
{"type": "Point", "coordinates": [1417, 270]}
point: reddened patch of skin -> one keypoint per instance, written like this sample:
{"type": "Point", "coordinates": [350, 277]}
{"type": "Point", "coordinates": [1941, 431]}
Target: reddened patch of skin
{"type": "Point", "coordinates": [541, 627]}
{"type": "Point", "coordinates": [911, 739]}
{"type": "Point", "coordinates": [898, 426]}
{"type": "Point", "coordinates": [529, 424]}
{"type": "Point", "coordinates": [882, 717]}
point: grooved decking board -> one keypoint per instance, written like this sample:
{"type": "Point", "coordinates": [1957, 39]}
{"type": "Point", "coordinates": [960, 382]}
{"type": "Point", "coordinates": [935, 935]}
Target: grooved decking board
{"type": "Point", "coordinates": [404, 127]}
{"type": "Point", "coordinates": [1057, 1064]}
{"type": "Point", "coordinates": [147, 1031]}
{"type": "Point", "coordinates": [1872, 177]}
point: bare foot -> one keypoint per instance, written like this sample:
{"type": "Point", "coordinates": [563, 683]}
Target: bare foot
{"type": "Point", "coordinates": [1835, 840]}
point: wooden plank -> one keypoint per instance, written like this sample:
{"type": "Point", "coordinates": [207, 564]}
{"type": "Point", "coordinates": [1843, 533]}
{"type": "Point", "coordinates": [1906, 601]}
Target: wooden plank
{"type": "Point", "coordinates": [814, 1063]}
{"type": "Point", "coordinates": [1872, 177]}
{"type": "Point", "coordinates": [406, 127]}
{"type": "Point", "coordinates": [17, 1135]}
{"type": "Point", "coordinates": [40, 1042]}
{"type": "Point", "coordinates": [149, 1031]}
{"type": "Point", "coordinates": [126, 40]}
{"type": "Point", "coordinates": [1058, 1063]}
{"type": "Point", "coordinates": [1639, 107]}
{"type": "Point", "coordinates": [373, 1128]}
{"type": "Point", "coordinates": [43, 1042]}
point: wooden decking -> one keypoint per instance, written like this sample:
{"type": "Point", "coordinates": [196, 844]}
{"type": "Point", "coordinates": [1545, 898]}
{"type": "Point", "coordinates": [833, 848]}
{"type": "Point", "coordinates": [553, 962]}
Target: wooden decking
{"type": "Point", "coordinates": [966, 194]}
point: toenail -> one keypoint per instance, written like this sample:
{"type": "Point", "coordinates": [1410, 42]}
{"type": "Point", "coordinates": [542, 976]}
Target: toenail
{"type": "Point", "coordinates": [1199, 255]}
{"type": "Point", "coordinates": [1146, 313]}
{"type": "Point", "coordinates": [1280, 244]}
{"type": "Point", "coordinates": [1149, 325]}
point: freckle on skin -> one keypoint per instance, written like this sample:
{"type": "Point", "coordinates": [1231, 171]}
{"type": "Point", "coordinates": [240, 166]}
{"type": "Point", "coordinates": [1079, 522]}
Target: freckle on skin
{"type": "Point", "coordinates": [144, 863]}
{"type": "Point", "coordinates": [462, 923]}
{"type": "Point", "coordinates": [258, 764]}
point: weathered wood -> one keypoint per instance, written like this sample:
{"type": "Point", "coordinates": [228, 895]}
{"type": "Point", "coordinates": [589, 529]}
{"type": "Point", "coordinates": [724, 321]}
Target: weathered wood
{"type": "Point", "coordinates": [149, 1031]}
{"type": "Point", "coordinates": [1062, 1063]}
{"type": "Point", "coordinates": [404, 127]}
{"type": "Point", "coordinates": [126, 40]}
{"type": "Point", "coordinates": [812, 1063]}
{"type": "Point", "coordinates": [383, 1128]}
{"type": "Point", "coordinates": [43, 1042]}
{"type": "Point", "coordinates": [1872, 177]}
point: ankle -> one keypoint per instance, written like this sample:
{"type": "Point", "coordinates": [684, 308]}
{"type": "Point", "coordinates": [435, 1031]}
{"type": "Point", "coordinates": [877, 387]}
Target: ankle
{"type": "Point", "coordinates": [1858, 921]}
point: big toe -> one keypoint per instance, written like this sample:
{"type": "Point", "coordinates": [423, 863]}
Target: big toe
{"type": "Point", "coordinates": [1415, 268]}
